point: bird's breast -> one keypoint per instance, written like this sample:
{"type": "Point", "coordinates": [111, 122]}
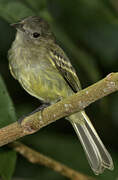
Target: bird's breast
{"type": "Point", "coordinates": [38, 76]}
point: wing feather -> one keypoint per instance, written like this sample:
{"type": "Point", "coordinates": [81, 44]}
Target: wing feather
{"type": "Point", "coordinates": [64, 66]}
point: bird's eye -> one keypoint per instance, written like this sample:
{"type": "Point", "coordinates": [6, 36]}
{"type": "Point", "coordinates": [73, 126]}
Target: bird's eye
{"type": "Point", "coordinates": [36, 34]}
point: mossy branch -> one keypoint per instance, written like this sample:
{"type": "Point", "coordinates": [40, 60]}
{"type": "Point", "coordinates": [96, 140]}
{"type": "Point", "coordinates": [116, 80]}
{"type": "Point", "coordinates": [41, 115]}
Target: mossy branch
{"type": "Point", "coordinates": [66, 107]}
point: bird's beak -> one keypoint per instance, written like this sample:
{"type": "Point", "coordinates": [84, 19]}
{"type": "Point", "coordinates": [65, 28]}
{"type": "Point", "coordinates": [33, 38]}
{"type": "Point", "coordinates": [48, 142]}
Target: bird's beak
{"type": "Point", "coordinates": [18, 26]}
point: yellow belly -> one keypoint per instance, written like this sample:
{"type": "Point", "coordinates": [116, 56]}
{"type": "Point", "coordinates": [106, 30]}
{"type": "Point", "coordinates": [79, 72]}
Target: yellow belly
{"type": "Point", "coordinates": [46, 86]}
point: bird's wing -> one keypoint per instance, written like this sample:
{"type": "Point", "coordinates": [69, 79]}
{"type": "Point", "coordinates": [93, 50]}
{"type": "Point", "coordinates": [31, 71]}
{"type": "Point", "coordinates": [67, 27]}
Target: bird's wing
{"type": "Point", "coordinates": [62, 63]}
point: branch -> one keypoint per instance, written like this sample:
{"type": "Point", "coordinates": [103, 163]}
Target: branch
{"type": "Point", "coordinates": [66, 107]}
{"type": "Point", "coordinates": [38, 158]}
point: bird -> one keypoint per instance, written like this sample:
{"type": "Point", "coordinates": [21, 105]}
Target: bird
{"type": "Point", "coordinates": [44, 70]}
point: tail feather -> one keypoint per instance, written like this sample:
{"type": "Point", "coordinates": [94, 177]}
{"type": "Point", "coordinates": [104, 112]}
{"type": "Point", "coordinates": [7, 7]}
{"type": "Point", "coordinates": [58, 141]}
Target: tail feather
{"type": "Point", "coordinates": [97, 155]}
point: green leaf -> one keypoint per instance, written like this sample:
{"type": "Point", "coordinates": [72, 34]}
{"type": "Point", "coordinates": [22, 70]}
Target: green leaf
{"type": "Point", "coordinates": [7, 112]}
{"type": "Point", "coordinates": [7, 163]}
{"type": "Point", "coordinates": [14, 10]}
{"type": "Point", "coordinates": [7, 116]}
{"type": "Point", "coordinates": [36, 5]}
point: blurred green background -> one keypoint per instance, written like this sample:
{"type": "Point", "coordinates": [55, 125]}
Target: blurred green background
{"type": "Point", "coordinates": [88, 32]}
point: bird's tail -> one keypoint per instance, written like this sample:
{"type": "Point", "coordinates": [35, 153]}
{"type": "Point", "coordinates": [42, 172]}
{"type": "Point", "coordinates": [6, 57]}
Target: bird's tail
{"type": "Point", "coordinates": [97, 155]}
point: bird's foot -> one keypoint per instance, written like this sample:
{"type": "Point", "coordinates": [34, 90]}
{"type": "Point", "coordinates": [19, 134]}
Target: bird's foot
{"type": "Point", "coordinates": [40, 108]}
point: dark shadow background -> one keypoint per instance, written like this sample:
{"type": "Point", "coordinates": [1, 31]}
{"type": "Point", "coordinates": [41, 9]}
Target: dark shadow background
{"type": "Point", "coordinates": [88, 32]}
